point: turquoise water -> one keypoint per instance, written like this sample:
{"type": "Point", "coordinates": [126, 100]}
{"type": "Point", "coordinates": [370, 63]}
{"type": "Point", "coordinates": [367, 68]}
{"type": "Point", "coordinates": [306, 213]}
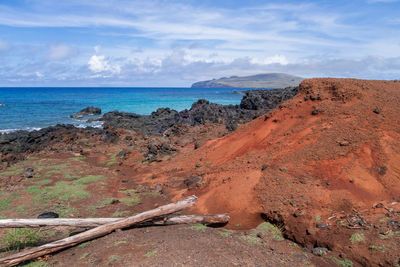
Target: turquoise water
{"type": "Point", "coordinates": [34, 108]}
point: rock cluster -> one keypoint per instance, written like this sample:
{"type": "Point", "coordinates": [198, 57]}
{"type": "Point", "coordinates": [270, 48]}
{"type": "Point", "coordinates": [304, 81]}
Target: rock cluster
{"type": "Point", "coordinates": [254, 103]}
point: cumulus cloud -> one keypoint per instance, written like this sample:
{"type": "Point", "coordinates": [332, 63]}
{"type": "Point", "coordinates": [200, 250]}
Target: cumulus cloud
{"type": "Point", "coordinates": [58, 52]}
{"type": "Point", "coordinates": [99, 64]}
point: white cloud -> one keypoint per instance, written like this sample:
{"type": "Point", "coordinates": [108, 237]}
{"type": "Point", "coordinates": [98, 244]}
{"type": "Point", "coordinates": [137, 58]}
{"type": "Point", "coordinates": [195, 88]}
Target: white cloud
{"type": "Point", "coordinates": [38, 74]}
{"type": "Point", "coordinates": [58, 52]}
{"type": "Point", "coordinates": [98, 64]}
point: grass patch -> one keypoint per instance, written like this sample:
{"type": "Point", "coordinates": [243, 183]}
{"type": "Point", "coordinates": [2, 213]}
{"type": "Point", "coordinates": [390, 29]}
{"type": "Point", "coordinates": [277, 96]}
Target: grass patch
{"type": "Point", "coordinates": [84, 245]}
{"type": "Point", "coordinates": [379, 248]}
{"type": "Point", "coordinates": [57, 167]}
{"type": "Point", "coordinates": [225, 233]}
{"type": "Point", "coordinates": [4, 204]}
{"type": "Point", "coordinates": [33, 189]}
{"type": "Point", "coordinates": [62, 191]}
{"type": "Point", "coordinates": [150, 254]}
{"type": "Point", "coordinates": [113, 258]}
{"type": "Point", "coordinates": [251, 239]}
{"type": "Point", "coordinates": [318, 217]}
{"type": "Point", "coordinates": [120, 213]}
{"type": "Point", "coordinates": [343, 263]}
{"type": "Point", "coordinates": [132, 198]}
{"type": "Point", "coordinates": [89, 179]}
{"type": "Point", "coordinates": [357, 238]}
{"type": "Point", "coordinates": [19, 238]}
{"type": "Point", "coordinates": [269, 228]}
{"type": "Point", "coordinates": [119, 243]}
{"type": "Point", "coordinates": [64, 211]}
{"type": "Point", "coordinates": [199, 227]}
{"type": "Point", "coordinates": [44, 182]}
{"type": "Point", "coordinates": [112, 161]}
{"type": "Point", "coordinates": [21, 209]}
{"type": "Point", "coordinates": [51, 173]}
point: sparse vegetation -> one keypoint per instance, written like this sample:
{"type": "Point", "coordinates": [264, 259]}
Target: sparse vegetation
{"type": "Point", "coordinates": [132, 198]}
{"type": "Point", "coordinates": [89, 179]}
{"type": "Point", "coordinates": [114, 258]}
{"type": "Point", "coordinates": [379, 248]}
{"type": "Point", "coordinates": [43, 182]}
{"type": "Point", "coordinates": [19, 238]}
{"type": "Point", "coordinates": [357, 238]}
{"type": "Point", "coordinates": [4, 204]}
{"type": "Point", "coordinates": [225, 233]}
{"type": "Point", "coordinates": [344, 263]}
{"type": "Point", "coordinates": [267, 227]}
{"type": "Point", "coordinates": [119, 243]}
{"type": "Point", "coordinates": [151, 254]}
{"type": "Point", "coordinates": [199, 227]}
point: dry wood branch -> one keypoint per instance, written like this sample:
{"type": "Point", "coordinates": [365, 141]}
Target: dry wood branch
{"type": "Point", "coordinates": [94, 222]}
{"type": "Point", "coordinates": [102, 230]}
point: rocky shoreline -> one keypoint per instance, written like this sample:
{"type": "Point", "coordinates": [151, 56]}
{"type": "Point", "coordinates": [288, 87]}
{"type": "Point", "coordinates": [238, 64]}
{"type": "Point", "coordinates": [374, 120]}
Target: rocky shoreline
{"type": "Point", "coordinates": [254, 103]}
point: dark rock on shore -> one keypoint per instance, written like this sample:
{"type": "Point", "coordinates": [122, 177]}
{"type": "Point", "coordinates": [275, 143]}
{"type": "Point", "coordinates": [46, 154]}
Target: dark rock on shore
{"type": "Point", "coordinates": [48, 215]}
{"type": "Point", "coordinates": [89, 111]}
{"type": "Point", "coordinates": [24, 141]}
{"type": "Point", "coordinates": [254, 103]}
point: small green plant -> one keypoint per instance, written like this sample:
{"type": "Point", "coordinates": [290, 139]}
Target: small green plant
{"type": "Point", "coordinates": [344, 263]}
{"type": "Point", "coordinates": [318, 217]}
{"type": "Point", "coordinates": [84, 245]}
{"type": "Point", "coordinates": [251, 239]}
{"type": "Point", "coordinates": [199, 227]}
{"type": "Point", "coordinates": [33, 189]}
{"type": "Point", "coordinates": [225, 233]}
{"type": "Point", "coordinates": [36, 264]}
{"type": "Point", "coordinates": [89, 179]}
{"type": "Point", "coordinates": [4, 204]}
{"type": "Point", "coordinates": [379, 248]}
{"type": "Point", "coordinates": [19, 238]}
{"type": "Point", "coordinates": [132, 198]}
{"type": "Point", "coordinates": [65, 210]}
{"type": "Point", "coordinates": [21, 209]}
{"type": "Point", "coordinates": [113, 259]}
{"type": "Point", "coordinates": [267, 227]}
{"type": "Point", "coordinates": [43, 182]}
{"type": "Point", "coordinates": [150, 254]}
{"type": "Point", "coordinates": [119, 243]}
{"type": "Point", "coordinates": [357, 238]}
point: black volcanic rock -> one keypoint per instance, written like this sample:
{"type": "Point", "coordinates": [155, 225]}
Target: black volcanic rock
{"type": "Point", "coordinates": [24, 141]}
{"type": "Point", "coordinates": [89, 111]}
{"type": "Point", "coordinates": [253, 104]}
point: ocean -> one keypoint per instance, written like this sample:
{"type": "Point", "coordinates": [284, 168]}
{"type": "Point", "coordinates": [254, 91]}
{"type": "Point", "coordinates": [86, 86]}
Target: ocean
{"type": "Point", "coordinates": [34, 108]}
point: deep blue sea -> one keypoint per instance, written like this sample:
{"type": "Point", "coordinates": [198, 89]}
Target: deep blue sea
{"type": "Point", "coordinates": [34, 108]}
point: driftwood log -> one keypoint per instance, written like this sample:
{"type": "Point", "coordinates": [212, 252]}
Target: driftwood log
{"type": "Point", "coordinates": [94, 222]}
{"type": "Point", "coordinates": [99, 231]}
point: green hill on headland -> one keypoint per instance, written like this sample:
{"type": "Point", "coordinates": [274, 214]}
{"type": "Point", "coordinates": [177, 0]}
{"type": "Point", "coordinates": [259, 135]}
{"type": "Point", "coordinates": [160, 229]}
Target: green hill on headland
{"type": "Point", "coordinates": [268, 80]}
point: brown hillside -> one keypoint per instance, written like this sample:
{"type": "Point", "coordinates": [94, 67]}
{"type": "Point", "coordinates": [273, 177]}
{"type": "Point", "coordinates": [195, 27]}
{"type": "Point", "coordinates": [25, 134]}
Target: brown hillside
{"type": "Point", "coordinates": [316, 165]}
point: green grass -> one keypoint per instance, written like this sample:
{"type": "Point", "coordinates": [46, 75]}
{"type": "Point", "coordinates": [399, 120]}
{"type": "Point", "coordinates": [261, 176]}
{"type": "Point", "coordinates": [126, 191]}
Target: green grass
{"type": "Point", "coordinates": [19, 238]}
{"type": "Point", "coordinates": [379, 248]}
{"type": "Point", "coordinates": [21, 209]}
{"type": "Point", "coordinates": [343, 263]}
{"type": "Point", "coordinates": [43, 182]}
{"type": "Point", "coordinates": [132, 198]}
{"type": "Point", "coordinates": [269, 228]}
{"type": "Point", "coordinates": [64, 211]}
{"type": "Point", "coordinates": [63, 191]}
{"type": "Point", "coordinates": [150, 254]}
{"type": "Point", "coordinates": [119, 243]}
{"type": "Point", "coordinates": [199, 227]}
{"type": "Point", "coordinates": [318, 217]}
{"type": "Point", "coordinates": [113, 258]}
{"type": "Point", "coordinates": [112, 161]}
{"type": "Point", "coordinates": [357, 238]}
{"type": "Point", "coordinates": [84, 245]}
{"type": "Point", "coordinates": [120, 214]}
{"type": "Point", "coordinates": [89, 179]}
{"type": "Point", "coordinates": [4, 204]}
{"type": "Point", "coordinates": [251, 239]}
{"type": "Point", "coordinates": [57, 167]}
{"type": "Point", "coordinates": [33, 189]}
{"type": "Point", "coordinates": [225, 233]}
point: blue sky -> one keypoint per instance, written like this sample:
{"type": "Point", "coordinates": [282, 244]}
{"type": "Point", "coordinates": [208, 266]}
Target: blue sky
{"type": "Point", "coordinates": [175, 43]}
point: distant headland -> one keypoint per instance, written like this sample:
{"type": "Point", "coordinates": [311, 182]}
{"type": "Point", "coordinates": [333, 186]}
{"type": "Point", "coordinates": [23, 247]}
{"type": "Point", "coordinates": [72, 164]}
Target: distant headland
{"type": "Point", "coordinates": [268, 80]}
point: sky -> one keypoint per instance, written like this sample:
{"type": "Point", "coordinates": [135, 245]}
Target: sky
{"type": "Point", "coordinates": [175, 43]}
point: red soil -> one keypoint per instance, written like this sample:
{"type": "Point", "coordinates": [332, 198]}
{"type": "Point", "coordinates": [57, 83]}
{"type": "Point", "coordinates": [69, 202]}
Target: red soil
{"type": "Point", "coordinates": [334, 164]}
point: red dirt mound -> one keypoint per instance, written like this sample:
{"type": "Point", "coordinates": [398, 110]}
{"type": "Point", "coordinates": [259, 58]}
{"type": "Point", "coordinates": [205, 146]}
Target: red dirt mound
{"type": "Point", "coordinates": [317, 165]}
